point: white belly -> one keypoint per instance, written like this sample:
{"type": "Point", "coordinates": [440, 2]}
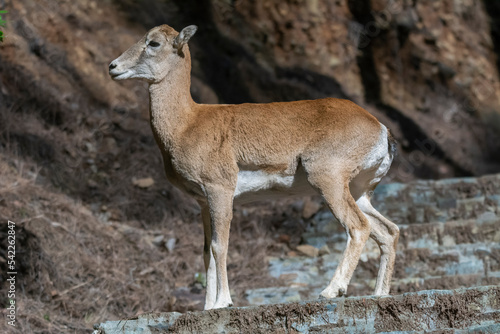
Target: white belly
{"type": "Point", "coordinates": [259, 185]}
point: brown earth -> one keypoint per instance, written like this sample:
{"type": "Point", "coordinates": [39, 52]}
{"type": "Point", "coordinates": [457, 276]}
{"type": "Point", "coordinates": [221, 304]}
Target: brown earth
{"type": "Point", "coordinates": [92, 243]}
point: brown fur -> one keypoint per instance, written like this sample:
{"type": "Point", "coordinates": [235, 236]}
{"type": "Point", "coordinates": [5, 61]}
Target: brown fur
{"type": "Point", "coordinates": [272, 136]}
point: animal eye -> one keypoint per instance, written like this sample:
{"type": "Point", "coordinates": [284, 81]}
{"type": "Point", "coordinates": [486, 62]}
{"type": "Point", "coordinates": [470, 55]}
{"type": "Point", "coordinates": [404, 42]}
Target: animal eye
{"type": "Point", "coordinates": [154, 44]}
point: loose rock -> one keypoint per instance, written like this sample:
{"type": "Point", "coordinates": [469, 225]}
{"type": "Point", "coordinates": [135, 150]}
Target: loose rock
{"type": "Point", "coordinates": [310, 208]}
{"type": "Point", "coordinates": [144, 182]}
{"type": "Point", "coordinates": [308, 250]}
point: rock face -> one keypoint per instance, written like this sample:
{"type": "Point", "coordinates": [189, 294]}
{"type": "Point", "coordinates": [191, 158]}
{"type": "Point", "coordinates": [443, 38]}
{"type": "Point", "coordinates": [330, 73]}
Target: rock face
{"type": "Point", "coordinates": [428, 69]}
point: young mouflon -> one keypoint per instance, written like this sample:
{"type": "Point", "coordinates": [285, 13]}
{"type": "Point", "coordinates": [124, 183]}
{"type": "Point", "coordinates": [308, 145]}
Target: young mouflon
{"type": "Point", "coordinates": [226, 154]}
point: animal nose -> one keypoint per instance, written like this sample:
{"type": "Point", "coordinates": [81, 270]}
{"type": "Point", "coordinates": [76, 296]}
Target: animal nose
{"type": "Point", "coordinates": [112, 66]}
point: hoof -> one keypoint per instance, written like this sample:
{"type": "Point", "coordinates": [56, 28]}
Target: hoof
{"type": "Point", "coordinates": [342, 293]}
{"type": "Point", "coordinates": [222, 305]}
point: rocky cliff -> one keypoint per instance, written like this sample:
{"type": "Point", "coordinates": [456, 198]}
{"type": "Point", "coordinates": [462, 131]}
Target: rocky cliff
{"type": "Point", "coordinates": [426, 68]}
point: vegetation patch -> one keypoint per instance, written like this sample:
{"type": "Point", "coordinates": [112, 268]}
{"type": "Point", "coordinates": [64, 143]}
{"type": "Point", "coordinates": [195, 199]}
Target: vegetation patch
{"type": "Point", "coordinates": [2, 24]}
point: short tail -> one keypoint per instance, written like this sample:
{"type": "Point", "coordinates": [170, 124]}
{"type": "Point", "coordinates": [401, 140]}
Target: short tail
{"type": "Point", "coordinates": [393, 144]}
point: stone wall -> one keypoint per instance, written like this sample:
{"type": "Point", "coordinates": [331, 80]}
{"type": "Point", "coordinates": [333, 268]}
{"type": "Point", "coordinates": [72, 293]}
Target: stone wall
{"type": "Point", "coordinates": [450, 238]}
{"type": "Point", "coordinates": [474, 310]}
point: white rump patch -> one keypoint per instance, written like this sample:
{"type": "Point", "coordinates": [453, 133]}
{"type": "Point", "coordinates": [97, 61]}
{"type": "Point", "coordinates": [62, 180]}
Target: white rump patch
{"type": "Point", "coordinates": [374, 167]}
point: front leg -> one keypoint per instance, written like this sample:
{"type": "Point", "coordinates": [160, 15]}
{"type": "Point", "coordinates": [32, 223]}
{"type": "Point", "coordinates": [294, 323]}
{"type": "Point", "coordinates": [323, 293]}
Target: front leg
{"type": "Point", "coordinates": [208, 258]}
{"type": "Point", "coordinates": [220, 204]}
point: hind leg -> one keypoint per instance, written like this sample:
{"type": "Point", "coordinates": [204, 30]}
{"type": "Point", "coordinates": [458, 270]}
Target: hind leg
{"type": "Point", "coordinates": [335, 190]}
{"type": "Point", "coordinates": [386, 235]}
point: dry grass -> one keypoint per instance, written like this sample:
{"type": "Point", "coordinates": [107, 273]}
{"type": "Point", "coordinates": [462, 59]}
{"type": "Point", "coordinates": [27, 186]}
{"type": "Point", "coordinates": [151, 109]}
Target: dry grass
{"type": "Point", "coordinates": [77, 268]}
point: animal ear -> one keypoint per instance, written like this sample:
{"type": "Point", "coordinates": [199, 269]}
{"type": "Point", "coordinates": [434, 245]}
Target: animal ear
{"type": "Point", "coordinates": [183, 38]}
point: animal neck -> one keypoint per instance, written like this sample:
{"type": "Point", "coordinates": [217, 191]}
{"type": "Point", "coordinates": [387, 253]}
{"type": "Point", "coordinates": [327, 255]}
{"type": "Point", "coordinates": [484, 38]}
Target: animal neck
{"type": "Point", "coordinates": [171, 104]}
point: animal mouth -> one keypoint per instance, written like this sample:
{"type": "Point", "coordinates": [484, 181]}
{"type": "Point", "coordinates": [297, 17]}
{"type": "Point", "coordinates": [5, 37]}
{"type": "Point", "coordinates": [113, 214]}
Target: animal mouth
{"type": "Point", "coordinates": [118, 76]}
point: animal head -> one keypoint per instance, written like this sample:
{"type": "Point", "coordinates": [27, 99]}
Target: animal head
{"type": "Point", "coordinates": [154, 55]}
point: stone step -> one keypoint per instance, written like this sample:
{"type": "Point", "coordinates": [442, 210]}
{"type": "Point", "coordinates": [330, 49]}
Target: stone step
{"type": "Point", "coordinates": [434, 255]}
{"type": "Point", "coordinates": [479, 259]}
{"type": "Point", "coordinates": [425, 201]}
{"type": "Point", "coordinates": [460, 259]}
{"type": "Point", "coordinates": [427, 235]}
{"type": "Point", "coordinates": [473, 310]}
{"type": "Point", "coordinates": [295, 292]}
{"type": "Point", "coordinates": [301, 292]}
{"type": "Point", "coordinates": [476, 258]}
{"type": "Point", "coordinates": [450, 237]}
{"type": "Point", "coordinates": [432, 235]}
{"type": "Point", "coordinates": [308, 282]}
{"type": "Point", "coordinates": [485, 228]}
